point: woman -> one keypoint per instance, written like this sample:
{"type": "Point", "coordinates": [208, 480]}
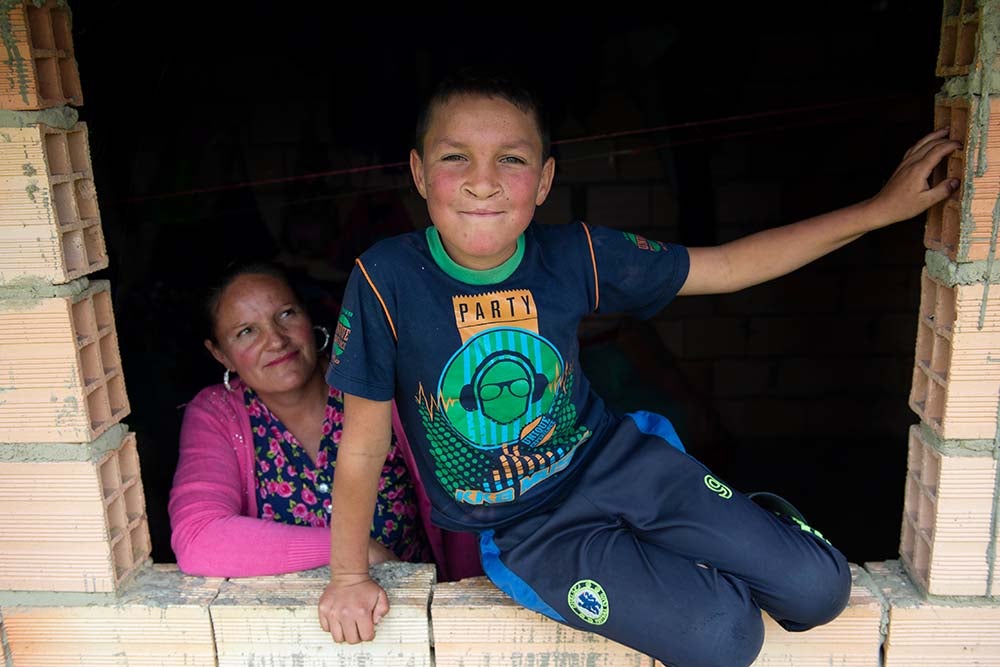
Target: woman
{"type": "Point", "coordinates": [251, 493]}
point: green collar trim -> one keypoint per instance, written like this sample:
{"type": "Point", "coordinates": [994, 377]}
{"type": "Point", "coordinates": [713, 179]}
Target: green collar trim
{"type": "Point", "coordinates": [472, 276]}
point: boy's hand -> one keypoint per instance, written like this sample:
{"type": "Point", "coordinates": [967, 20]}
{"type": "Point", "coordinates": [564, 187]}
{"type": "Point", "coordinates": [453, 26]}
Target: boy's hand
{"type": "Point", "coordinates": [907, 193]}
{"type": "Point", "coordinates": [351, 607]}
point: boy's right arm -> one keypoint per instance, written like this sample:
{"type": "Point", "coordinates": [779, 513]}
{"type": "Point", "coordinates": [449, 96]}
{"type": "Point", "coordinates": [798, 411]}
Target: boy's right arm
{"type": "Point", "coordinates": [777, 251]}
{"type": "Point", "coordinates": [352, 603]}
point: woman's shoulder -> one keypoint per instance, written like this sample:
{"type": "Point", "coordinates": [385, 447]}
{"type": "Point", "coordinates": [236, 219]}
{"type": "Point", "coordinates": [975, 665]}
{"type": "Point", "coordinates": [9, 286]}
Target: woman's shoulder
{"type": "Point", "coordinates": [219, 401]}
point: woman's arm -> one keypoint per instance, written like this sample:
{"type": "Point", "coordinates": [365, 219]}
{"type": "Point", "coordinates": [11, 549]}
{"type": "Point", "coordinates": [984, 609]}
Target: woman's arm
{"type": "Point", "coordinates": [210, 535]}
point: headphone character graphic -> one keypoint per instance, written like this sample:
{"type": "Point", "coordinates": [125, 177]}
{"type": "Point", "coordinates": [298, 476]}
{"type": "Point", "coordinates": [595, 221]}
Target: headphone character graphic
{"type": "Point", "coordinates": [503, 386]}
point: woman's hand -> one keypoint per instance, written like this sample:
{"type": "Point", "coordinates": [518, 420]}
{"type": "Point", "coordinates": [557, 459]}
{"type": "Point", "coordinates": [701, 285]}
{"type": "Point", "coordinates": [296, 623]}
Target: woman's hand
{"type": "Point", "coordinates": [378, 553]}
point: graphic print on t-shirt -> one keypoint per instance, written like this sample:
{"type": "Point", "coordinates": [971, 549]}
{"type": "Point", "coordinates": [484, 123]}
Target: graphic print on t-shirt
{"type": "Point", "coordinates": [341, 334]}
{"type": "Point", "coordinates": [500, 420]}
{"type": "Point", "coordinates": [642, 243]}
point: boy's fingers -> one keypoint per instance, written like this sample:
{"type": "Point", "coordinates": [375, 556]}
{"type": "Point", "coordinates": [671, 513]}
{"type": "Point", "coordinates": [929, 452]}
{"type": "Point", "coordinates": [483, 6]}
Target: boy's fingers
{"type": "Point", "coordinates": [941, 191]}
{"type": "Point", "coordinates": [938, 147]}
{"type": "Point", "coordinates": [337, 632]}
{"type": "Point", "coordinates": [365, 630]}
{"type": "Point", "coordinates": [351, 635]}
{"type": "Point", "coordinates": [927, 157]}
{"type": "Point", "coordinates": [934, 153]}
{"type": "Point", "coordinates": [936, 134]}
{"type": "Point", "coordinates": [381, 607]}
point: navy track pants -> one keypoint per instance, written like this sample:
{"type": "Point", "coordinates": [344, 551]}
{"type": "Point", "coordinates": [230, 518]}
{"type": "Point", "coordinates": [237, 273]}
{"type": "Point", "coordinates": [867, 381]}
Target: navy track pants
{"type": "Point", "coordinates": [651, 550]}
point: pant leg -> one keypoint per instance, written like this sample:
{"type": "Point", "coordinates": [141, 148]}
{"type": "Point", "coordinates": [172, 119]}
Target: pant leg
{"type": "Point", "coordinates": [671, 500]}
{"type": "Point", "coordinates": [589, 570]}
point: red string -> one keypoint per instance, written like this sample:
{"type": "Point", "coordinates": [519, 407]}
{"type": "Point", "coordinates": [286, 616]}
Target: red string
{"type": "Point", "coordinates": [724, 119]}
{"type": "Point", "coordinates": [268, 181]}
{"type": "Point", "coordinates": [593, 137]}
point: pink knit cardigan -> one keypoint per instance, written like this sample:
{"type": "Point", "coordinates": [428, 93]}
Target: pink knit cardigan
{"type": "Point", "coordinates": [213, 504]}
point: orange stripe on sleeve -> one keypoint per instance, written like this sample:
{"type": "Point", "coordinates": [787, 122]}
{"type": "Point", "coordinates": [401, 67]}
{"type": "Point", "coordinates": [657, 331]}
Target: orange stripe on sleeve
{"type": "Point", "coordinates": [380, 300]}
{"type": "Point", "coordinates": [593, 261]}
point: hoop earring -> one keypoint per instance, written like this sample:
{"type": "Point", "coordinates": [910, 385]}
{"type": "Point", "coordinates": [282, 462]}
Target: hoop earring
{"type": "Point", "coordinates": [225, 380]}
{"type": "Point", "coordinates": [326, 336]}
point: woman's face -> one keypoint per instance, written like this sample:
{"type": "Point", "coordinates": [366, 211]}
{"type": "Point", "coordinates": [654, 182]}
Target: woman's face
{"type": "Point", "coordinates": [264, 335]}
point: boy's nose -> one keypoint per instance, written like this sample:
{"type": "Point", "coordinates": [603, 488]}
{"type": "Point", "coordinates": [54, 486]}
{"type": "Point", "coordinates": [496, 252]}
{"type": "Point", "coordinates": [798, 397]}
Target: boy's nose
{"type": "Point", "coordinates": [482, 182]}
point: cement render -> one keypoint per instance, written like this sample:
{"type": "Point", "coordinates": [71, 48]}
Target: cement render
{"type": "Point", "coordinates": [63, 117]}
{"type": "Point", "coordinates": [49, 452]}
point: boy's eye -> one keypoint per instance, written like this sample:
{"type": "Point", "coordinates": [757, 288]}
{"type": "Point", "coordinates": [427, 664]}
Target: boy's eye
{"type": "Point", "coordinates": [242, 332]}
{"type": "Point", "coordinates": [513, 159]}
{"type": "Point", "coordinates": [452, 158]}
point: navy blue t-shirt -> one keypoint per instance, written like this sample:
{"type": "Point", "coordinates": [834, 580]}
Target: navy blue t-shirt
{"type": "Point", "coordinates": [484, 364]}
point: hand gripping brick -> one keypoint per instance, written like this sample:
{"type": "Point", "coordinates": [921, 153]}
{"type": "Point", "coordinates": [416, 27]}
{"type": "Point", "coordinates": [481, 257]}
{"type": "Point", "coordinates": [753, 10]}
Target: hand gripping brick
{"type": "Point", "coordinates": [265, 621]}
{"type": "Point", "coordinates": [961, 226]}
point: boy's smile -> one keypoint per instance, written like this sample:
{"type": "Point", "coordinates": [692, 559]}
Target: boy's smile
{"type": "Point", "coordinates": [482, 174]}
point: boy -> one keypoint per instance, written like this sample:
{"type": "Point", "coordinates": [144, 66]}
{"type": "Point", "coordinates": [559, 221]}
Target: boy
{"type": "Point", "coordinates": [598, 522]}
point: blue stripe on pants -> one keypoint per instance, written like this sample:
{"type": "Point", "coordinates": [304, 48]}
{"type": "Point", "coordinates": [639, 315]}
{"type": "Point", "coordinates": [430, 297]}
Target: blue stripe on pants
{"type": "Point", "coordinates": [508, 582]}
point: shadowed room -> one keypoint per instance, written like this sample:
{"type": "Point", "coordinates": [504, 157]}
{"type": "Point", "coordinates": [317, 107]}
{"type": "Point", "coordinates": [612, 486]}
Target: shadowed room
{"type": "Point", "coordinates": [263, 133]}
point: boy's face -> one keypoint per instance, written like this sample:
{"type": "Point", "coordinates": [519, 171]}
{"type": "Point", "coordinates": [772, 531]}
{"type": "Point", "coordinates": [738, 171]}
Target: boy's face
{"type": "Point", "coordinates": [482, 174]}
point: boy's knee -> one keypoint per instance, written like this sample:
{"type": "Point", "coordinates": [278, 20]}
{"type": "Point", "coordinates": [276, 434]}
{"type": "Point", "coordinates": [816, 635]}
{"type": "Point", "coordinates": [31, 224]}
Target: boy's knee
{"type": "Point", "coordinates": [822, 592]}
{"type": "Point", "coordinates": [730, 638]}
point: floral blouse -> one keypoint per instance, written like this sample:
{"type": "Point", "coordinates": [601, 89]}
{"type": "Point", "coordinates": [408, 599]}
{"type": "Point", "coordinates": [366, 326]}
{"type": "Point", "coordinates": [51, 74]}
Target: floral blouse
{"type": "Point", "coordinates": [293, 489]}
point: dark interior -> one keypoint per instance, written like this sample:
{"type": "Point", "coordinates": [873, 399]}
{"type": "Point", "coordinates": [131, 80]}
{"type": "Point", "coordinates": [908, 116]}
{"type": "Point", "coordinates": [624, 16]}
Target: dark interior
{"type": "Point", "coordinates": [226, 131]}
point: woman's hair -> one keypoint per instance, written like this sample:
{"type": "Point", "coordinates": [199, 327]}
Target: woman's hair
{"type": "Point", "coordinates": [230, 274]}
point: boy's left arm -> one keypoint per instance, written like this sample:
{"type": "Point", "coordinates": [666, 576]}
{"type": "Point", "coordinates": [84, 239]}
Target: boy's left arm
{"type": "Point", "coordinates": [774, 252]}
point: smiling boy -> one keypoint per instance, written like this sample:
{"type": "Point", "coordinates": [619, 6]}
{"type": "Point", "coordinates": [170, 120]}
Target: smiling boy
{"type": "Point", "coordinates": [599, 522]}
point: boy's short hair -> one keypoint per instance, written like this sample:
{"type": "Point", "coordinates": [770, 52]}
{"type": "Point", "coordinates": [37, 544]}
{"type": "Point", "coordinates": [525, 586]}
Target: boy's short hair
{"type": "Point", "coordinates": [481, 82]}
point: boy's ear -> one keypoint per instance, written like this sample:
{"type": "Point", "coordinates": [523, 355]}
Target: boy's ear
{"type": "Point", "coordinates": [417, 171]}
{"type": "Point", "coordinates": [545, 184]}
